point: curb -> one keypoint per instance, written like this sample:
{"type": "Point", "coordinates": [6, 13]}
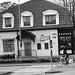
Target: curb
{"type": "Point", "coordinates": [5, 73]}
{"type": "Point", "coordinates": [10, 65]}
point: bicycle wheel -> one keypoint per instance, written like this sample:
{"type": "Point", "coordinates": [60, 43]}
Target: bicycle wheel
{"type": "Point", "coordinates": [59, 64]}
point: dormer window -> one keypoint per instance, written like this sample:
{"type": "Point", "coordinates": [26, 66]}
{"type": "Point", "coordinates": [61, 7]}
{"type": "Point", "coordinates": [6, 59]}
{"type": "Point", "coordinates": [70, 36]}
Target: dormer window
{"type": "Point", "coordinates": [50, 17]}
{"type": "Point", "coordinates": [8, 20]}
{"type": "Point", "coordinates": [26, 19]}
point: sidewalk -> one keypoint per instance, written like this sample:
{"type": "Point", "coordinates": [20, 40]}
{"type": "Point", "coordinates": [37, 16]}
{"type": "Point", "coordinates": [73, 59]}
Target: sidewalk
{"type": "Point", "coordinates": [21, 64]}
{"type": "Point", "coordinates": [40, 69]}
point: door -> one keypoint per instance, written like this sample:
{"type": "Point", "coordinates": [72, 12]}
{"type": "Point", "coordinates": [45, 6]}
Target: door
{"type": "Point", "coordinates": [27, 46]}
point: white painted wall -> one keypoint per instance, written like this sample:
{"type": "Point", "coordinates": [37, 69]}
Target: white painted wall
{"type": "Point", "coordinates": [38, 33]}
{"type": "Point", "coordinates": [50, 33]}
{"type": "Point", "coordinates": [8, 35]}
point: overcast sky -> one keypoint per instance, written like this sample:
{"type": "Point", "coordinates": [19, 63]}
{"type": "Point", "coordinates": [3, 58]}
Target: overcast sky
{"type": "Point", "coordinates": [16, 1]}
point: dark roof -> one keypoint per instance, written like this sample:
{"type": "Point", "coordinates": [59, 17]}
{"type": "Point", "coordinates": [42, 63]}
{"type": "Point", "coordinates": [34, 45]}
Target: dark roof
{"type": "Point", "coordinates": [37, 7]}
{"type": "Point", "coordinates": [26, 34]}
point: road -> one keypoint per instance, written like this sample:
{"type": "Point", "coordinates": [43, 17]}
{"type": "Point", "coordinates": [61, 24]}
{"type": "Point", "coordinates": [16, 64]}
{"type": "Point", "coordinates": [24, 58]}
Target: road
{"type": "Point", "coordinates": [36, 69]}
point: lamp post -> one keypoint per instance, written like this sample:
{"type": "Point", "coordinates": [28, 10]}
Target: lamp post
{"type": "Point", "coordinates": [19, 19]}
{"type": "Point", "coordinates": [19, 25]}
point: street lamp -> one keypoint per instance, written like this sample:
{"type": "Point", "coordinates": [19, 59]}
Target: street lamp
{"type": "Point", "coordinates": [19, 25]}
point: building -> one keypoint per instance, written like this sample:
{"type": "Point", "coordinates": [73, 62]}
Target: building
{"type": "Point", "coordinates": [44, 26]}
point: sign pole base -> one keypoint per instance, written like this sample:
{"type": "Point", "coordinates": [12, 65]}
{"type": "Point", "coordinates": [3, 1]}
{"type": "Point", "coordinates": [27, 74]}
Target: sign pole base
{"type": "Point", "coordinates": [52, 71]}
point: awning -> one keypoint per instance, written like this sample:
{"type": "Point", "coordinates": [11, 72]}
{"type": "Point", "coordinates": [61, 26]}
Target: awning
{"type": "Point", "coordinates": [26, 34]}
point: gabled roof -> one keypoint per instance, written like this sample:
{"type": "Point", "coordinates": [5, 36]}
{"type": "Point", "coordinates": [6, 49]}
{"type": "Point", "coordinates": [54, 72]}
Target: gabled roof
{"type": "Point", "coordinates": [26, 34]}
{"type": "Point", "coordinates": [37, 7]}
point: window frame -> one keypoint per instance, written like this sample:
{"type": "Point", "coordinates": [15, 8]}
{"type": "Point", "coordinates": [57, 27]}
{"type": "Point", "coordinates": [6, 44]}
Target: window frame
{"type": "Point", "coordinates": [10, 44]}
{"type": "Point", "coordinates": [48, 17]}
{"type": "Point", "coordinates": [27, 18]}
{"type": "Point", "coordinates": [64, 45]}
{"type": "Point", "coordinates": [7, 20]}
{"type": "Point", "coordinates": [46, 47]}
{"type": "Point", "coordinates": [51, 12]}
{"type": "Point", "coordinates": [38, 46]}
{"type": "Point", "coordinates": [27, 13]}
{"type": "Point", "coordinates": [8, 15]}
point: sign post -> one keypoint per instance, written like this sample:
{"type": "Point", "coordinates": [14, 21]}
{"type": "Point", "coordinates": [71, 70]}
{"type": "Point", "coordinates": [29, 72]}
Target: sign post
{"type": "Point", "coordinates": [51, 55]}
{"type": "Point", "coordinates": [51, 46]}
{"type": "Point", "coordinates": [51, 51]}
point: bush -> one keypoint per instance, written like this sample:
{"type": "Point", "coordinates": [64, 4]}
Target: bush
{"type": "Point", "coordinates": [54, 59]}
{"type": "Point", "coordinates": [8, 56]}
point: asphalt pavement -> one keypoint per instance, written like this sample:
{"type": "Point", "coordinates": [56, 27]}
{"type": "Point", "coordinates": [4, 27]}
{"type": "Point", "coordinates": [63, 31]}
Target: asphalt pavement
{"type": "Point", "coordinates": [36, 69]}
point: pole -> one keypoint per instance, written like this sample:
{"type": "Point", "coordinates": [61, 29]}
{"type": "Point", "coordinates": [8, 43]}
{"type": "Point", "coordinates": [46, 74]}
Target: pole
{"type": "Point", "coordinates": [51, 69]}
{"type": "Point", "coordinates": [19, 19]}
{"type": "Point", "coordinates": [51, 58]}
{"type": "Point", "coordinates": [19, 23]}
{"type": "Point", "coordinates": [50, 51]}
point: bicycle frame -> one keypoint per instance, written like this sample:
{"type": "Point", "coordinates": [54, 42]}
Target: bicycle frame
{"type": "Point", "coordinates": [61, 62]}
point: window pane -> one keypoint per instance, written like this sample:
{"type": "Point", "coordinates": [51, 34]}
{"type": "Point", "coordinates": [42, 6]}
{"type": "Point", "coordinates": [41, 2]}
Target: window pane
{"type": "Point", "coordinates": [50, 19]}
{"type": "Point", "coordinates": [38, 45]}
{"type": "Point", "coordinates": [8, 22]}
{"type": "Point", "coordinates": [68, 42]}
{"type": "Point", "coordinates": [62, 42]}
{"type": "Point", "coordinates": [8, 45]}
{"type": "Point", "coordinates": [26, 20]}
{"type": "Point", "coordinates": [46, 46]}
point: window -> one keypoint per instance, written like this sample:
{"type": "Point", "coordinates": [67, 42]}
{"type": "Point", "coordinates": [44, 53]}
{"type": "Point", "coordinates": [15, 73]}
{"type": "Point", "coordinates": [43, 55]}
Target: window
{"type": "Point", "coordinates": [65, 43]}
{"type": "Point", "coordinates": [38, 46]}
{"type": "Point", "coordinates": [50, 17]}
{"type": "Point", "coordinates": [8, 22]}
{"type": "Point", "coordinates": [8, 45]}
{"type": "Point", "coordinates": [26, 20]}
{"type": "Point", "coordinates": [46, 46]}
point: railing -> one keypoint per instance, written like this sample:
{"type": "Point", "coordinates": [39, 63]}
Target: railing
{"type": "Point", "coordinates": [28, 53]}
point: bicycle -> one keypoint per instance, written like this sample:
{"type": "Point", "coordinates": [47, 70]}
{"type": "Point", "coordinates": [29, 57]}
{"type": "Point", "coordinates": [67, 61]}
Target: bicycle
{"type": "Point", "coordinates": [62, 62]}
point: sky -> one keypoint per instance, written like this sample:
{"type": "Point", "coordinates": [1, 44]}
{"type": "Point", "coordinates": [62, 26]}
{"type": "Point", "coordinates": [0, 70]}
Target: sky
{"type": "Point", "coordinates": [16, 1]}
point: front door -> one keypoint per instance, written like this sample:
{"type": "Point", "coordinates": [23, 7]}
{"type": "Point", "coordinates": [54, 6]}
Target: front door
{"type": "Point", "coordinates": [27, 46]}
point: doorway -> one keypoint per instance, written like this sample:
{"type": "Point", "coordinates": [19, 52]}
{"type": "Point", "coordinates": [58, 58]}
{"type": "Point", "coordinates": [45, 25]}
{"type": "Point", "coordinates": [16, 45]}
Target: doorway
{"type": "Point", "coordinates": [27, 47]}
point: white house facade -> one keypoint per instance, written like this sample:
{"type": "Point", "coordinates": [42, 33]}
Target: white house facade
{"type": "Point", "coordinates": [44, 27]}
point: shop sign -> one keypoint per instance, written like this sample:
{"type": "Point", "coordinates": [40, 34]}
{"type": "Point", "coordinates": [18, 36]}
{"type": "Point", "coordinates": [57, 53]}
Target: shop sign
{"type": "Point", "coordinates": [44, 37]}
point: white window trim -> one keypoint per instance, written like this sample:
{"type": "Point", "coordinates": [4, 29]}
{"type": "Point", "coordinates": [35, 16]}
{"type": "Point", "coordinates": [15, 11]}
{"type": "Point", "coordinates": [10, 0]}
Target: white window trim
{"type": "Point", "coordinates": [51, 12]}
{"type": "Point", "coordinates": [14, 44]}
{"type": "Point", "coordinates": [7, 15]}
{"type": "Point", "coordinates": [27, 13]}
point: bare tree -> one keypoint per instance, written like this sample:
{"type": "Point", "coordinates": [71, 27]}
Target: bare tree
{"type": "Point", "coordinates": [6, 5]}
{"type": "Point", "coordinates": [70, 6]}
